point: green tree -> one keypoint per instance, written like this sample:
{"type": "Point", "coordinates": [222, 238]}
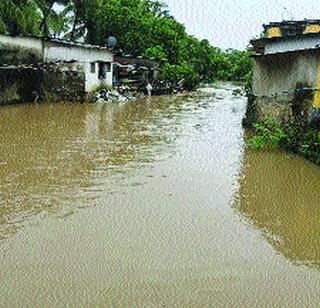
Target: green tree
{"type": "Point", "coordinates": [19, 17]}
{"type": "Point", "coordinates": [142, 27]}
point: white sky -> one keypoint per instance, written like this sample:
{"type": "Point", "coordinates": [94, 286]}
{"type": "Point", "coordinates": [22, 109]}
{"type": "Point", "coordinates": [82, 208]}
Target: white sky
{"type": "Point", "coordinates": [232, 23]}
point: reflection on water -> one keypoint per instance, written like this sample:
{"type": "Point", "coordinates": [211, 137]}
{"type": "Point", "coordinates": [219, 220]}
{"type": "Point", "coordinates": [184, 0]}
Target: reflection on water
{"type": "Point", "coordinates": [135, 205]}
{"type": "Point", "coordinates": [54, 154]}
{"type": "Point", "coordinates": [280, 195]}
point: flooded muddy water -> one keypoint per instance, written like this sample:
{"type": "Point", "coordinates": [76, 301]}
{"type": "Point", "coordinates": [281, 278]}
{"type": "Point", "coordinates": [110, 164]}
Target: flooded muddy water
{"type": "Point", "coordinates": [153, 203]}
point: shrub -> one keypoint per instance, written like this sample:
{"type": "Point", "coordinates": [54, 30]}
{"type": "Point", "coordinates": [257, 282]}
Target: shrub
{"type": "Point", "coordinates": [91, 96]}
{"type": "Point", "coordinates": [175, 73]}
{"type": "Point", "coordinates": [269, 135]}
{"type": "Point", "coordinates": [102, 86]}
{"type": "Point", "coordinates": [291, 137]}
{"type": "Point", "coordinates": [310, 144]}
{"type": "Point", "coordinates": [156, 52]}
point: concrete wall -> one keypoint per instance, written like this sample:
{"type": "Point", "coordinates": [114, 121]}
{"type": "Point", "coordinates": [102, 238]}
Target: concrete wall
{"type": "Point", "coordinates": [275, 74]}
{"type": "Point", "coordinates": [24, 42]}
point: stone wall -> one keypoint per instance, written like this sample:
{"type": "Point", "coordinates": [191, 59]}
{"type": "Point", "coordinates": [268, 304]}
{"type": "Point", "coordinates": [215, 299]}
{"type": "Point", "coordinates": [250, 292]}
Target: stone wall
{"type": "Point", "coordinates": [18, 85]}
{"type": "Point", "coordinates": [65, 83]}
{"type": "Point", "coordinates": [279, 109]}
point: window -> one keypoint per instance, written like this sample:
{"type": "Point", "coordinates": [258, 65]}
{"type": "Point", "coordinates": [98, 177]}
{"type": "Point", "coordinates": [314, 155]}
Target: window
{"type": "Point", "coordinates": [92, 67]}
{"type": "Point", "coordinates": [104, 68]}
{"type": "Point", "coordinates": [102, 74]}
{"type": "Point", "coordinates": [108, 67]}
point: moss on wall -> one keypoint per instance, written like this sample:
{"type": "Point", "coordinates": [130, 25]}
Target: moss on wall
{"type": "Point", "coordinates": [66, 83]}
{"type": "Point", "coordinates": [18, 55]}
{"type": "Point", "coordinates": [61, 82]}
{"type": "Point", "coordinates": [294, 121]}
{"type": "Point", "coordinates": [17, 85]}
{"type": "Point", "coordinates": [291, 137]}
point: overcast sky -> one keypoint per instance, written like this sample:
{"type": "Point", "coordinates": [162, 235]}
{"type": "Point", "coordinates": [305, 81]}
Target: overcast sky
{"type": "Point", "coordinates": [232, 23]}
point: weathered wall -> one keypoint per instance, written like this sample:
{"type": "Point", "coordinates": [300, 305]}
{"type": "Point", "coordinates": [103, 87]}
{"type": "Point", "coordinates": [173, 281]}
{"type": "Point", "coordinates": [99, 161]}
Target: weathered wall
{"type": "Point", "coordinates": [17, 83]}
{"type": "Point", "coordinates": [18, 86]}
{"type": "Point", "coordinates": [16, 55]}
{"type": "Point", "coordinates": [34, 44]}
{"type": "Point", "coordinates": [275, 79]}
{"type": "Point", "coordinates": [277, 73]}
{"type": "Point", "coordinates": [63, 85]}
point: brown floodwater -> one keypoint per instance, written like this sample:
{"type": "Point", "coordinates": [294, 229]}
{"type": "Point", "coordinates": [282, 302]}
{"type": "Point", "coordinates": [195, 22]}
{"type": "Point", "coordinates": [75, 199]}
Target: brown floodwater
{"type": "Point", "coordinates": [153, 203]}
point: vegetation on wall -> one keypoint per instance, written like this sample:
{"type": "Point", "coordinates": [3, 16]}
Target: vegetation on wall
{"type": "Point", "coordinates": [17, 84]}
{"type": "Point", "coordinates": [269, 134]}
{"type": "Point", "coordinates": [289, 136]}
{"type": "Point", "coordinates": [142, 27]}
{"type": "Point", "coordinates": [16, 56]}
{"type": "Point", "coordinates": [299, 133]}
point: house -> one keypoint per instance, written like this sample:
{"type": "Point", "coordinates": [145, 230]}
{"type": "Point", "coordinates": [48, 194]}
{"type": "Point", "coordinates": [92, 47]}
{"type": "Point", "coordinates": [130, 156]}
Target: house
{"type": "Point", "coordinates": [94, 63]}
{"type": "Point", "coordinates": [286, 80]}
{"type": "Point", "coordinates": [135, 71]}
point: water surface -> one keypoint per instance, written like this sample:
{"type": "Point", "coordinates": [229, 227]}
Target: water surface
{"type": "Point", "coordinates": [153, 203]}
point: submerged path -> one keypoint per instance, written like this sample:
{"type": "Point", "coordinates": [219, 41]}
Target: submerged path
{"type": "Point", "coordinates": [154, 203]}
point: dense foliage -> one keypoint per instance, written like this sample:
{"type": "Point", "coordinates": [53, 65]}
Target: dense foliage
{"type": "Point", "coordinates": [269, 134]}
{"type": "Point", "coordinates": [142, 27]}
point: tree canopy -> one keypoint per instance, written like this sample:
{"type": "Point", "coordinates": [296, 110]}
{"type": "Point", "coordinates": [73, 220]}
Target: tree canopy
{"type": "Point", "coordinates": [142, 27]}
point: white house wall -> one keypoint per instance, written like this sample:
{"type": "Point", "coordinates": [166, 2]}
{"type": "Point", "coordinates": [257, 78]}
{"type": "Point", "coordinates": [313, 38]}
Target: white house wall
{"type": "Point", "coordinates": [58, 51]}
{"type": "Point", "coordinates": [23, 42]}
{"type": "Point", "coordinates": [92, 79]}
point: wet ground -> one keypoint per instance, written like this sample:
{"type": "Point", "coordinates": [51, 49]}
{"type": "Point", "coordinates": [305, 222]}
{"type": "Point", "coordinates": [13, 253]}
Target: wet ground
{"type": "Point", "coordinates": [153, 203]}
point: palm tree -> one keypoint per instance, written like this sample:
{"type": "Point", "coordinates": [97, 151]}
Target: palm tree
{"type": "Point", "coordinates": [49, 14]}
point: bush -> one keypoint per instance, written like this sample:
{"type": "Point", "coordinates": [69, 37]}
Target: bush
{"type": "Point", "coordinates": [91, 96]}
{"type": "Point", "coordinates": [310, 144]}
{"type": "Point", "coordinates": [175, 73]}
{"type": "Point", "coordinates": [102, 86]}
{"type": "Point", "coordinates": [156, 52]}
{"type": "Point", "coordinates": [290, 137]}
{"type": "Point", "coordinates": [269, 135]}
